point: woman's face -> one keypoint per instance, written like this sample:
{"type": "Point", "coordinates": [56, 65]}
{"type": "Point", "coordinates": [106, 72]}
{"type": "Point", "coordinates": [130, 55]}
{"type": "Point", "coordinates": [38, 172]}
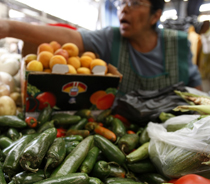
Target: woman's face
{"type": "Point", "coordinates": [135, 20]}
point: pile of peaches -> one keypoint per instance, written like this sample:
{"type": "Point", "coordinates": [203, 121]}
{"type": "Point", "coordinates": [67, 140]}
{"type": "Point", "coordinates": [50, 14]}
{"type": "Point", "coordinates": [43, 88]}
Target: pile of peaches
{"type": "Point", "coordinates": [50, 54]}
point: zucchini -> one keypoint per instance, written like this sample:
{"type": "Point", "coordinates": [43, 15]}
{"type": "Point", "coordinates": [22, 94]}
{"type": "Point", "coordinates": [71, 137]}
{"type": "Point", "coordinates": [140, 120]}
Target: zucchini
{"type": "Point", "coordinates": [73, 161]}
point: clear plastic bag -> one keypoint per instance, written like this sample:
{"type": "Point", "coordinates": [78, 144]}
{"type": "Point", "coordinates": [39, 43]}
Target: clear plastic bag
{"type": "Point", "coordinates": [181, 152]}
{"type": "Point", "coordinates": [178, 122]}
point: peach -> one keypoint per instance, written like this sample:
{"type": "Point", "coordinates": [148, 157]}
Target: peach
{"type": "Point", "coordinates": [91, 54]}
{"type": "Point", "coordinates": [85, 61]}
{"type": "Point", "coordinates": [96, 62]}
{"type": "Point", "coordinates": [83, 70]}
{"type": "Point", "coordinates": [55, 45]}
{"type": "Point", "coordinates": [57, 59]}
{"type": "Point", "coordinates": [72, 49]}
{"type": "Point", "coordinates": [44, 47]}
{"type": "Point", "coordinates": [63, 53]}
{"type": "Point", "coordinates": [74, 61]}
{"type": "Point", "coordinates": [29, 58]}
{"type": "Point", "coordinates": [34, 65]}
{"type": "Point", "coordinates": [47, 70]}
{"type": "Point", "coordinates": [44, 57]}
{"type": "Point", "coordinates": [72, 70]}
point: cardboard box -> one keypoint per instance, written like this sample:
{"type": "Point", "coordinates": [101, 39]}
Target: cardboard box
{"type": "Point", "coordinates": [72, 92]}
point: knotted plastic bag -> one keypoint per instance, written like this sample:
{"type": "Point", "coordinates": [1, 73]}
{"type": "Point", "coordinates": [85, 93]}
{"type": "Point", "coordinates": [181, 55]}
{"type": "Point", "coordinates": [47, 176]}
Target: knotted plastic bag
{"type": "Point", "coordinates": [182, 152]}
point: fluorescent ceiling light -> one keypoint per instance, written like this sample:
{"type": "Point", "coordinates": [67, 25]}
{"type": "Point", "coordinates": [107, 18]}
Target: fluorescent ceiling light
{"type": "Point", "coordinates": [15, 14]}
{"type": "Point", "coordinates": [169, 14]}
{"type": "Point", "coordinates": [202, 18]}
{"type": "Point", "coordinates": [204, 7]}
{"type": "Point", "coordinates": [167, 1]}
{"type": "Point", "coordinates": [160, 26]}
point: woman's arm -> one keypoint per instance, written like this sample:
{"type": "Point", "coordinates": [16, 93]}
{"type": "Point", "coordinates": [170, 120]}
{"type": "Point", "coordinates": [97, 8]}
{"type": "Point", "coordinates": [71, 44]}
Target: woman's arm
{"type": "Point", "coordinates": [39, 33]}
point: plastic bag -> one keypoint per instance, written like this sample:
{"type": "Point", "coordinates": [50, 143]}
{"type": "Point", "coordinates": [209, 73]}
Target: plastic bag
{"type": "Point", "coordinates": [141, 106]}
{"type": "Point", "coordinates": [178, 122]}
{"type": "Point", "coordinates": [181, 152]}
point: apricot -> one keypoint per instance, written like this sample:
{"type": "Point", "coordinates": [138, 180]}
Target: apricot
{"type": "Point", "coordinates": [47, 70]}
{"type": "Point", "coordinates": [29, 58]}
{"type": "Point", "coordinates": [63, 53]}
{"type": "Point", "coordinates": [74, 61]}
{"type": "Point", "coordinates": [72, 70]}
{"type": "Point", "coordinates": [85, 61]}
{"type": "Point", "coordinates": [44, 47]}
{"type": "Point", "coordinates": [91, 54]}
{"type": "Point", "coordinates": [34, 65]}
{"type": "Point", "coordinates": [44, 57]}
{"type": "Point", "coordinates": [57, 59]}
{"type": "Point", "coordinates": [71, 48]}
{"type": "Point", "coordinates": [55, 45]}
{"type": "Point", "coordinates": [96, 62]}
{"type": "Point", "coordinates": [83, 70]}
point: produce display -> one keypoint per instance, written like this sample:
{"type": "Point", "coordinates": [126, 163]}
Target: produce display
{"type": "Point", "coordinates": [58, 147]}
{"type": "Point", "coordinates": [10, 93]}
{"type": "Point", "coordinates": [85, 147]}
{"type": "Point", "coordinates": [50, 54]}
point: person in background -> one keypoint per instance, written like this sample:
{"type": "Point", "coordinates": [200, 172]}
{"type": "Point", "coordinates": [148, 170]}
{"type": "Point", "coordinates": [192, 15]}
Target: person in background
{"type": "Point", "coordinates": [148, 58]}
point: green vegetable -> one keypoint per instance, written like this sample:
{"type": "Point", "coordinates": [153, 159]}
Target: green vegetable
{"type": "Point", "coordinates": [13, 134]}
{"type": "Point", "coordinates": [2, 179]}
{"type": "Point", "coordinates": [143, 166]}
{"type": "Point", "coordinates": [45, 115]}
{"type": "Point", "coordinates": [138, 154]}
{"type": "Point", "coordinates": [94, 180]}
{"type": "Point", "coordinates": [73, 161]}
{"type": "Point", "coordinates": [201, 109]}
{"type": "Point", "coordinates": [72, 178]}
{"type": "Point", "coordinates": [101, 117]}
{"type": "Point", "coordinates": [111, 151]}
{"type": "Point", "coordinates": [5, 142]}
{"type": "Point", "coordinates": [55, 154]}
{"type": "Point", "coordinates": [128, 143]}
{"type": "Point", "coordinates": [26, 177]}
{"type": "Point", "coordinates": [88, 164]}
{"type": "Point", "coordinates": [70, 146]}
{"type": "Point", "coordinates": [80, 125]}
{"type": "Point", "coordinates": [144, 137]}
{"type": "Point", "coordinates": [11, 164]}
{"type": "Point", "coordinates": [153, 178]}
{"type": "Point", "coordinates": [73, 138]}
{"type": "Point", "coordinates": [35, 151]}
{"type": "Point", "coordinates": [118, 180]}
{"type": "Point", "coordinates": [12, 121]}
{"type": "Point", "coordinates": [165, 116]}
{"type": "Point", "coordinates": [101, 170]}
{"type": "Point", "coordinates": [45, 126]}
{"type": "Point", "coordinates": [117, 171]}
{"type": "Point", "coordinates": [28, 131]}
{"type": "Point", "coordinates": [65, 119]}
{"type": "Point", "coordinates": [84, 113]}
{"type": "Point", "coordinates": [118, 127]}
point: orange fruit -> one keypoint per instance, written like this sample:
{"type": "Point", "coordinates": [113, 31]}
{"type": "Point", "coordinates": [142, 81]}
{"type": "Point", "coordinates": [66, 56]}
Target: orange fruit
{"type": "Point", "coordinates": [44, 57]}
{"type": "Point", "coordinates": [47, 70]}
{"type": "Point", "coordinates": [34, 65]}
{"type": "Point", "coordinates": [91, 54]}
{"type": "Point", "coordinates": [98, 62]}
{"type": "Point", "coordinates": [72, 49]}
{"type": "Point", "coordinates": [85, 61]}
{"type": "Point", "coordinates": [29, 58]}
{"type": "Point", "coordinates": [83, 70]}
{"type": "Point", "coordinates": [72, 70]}
{"type": "Point", "coordinates": [55, 45]}
{"type": "Point", "coordinates": [74, 61]}
{"type": "Point", "coordinates": [57, 59]}
{"type": "Point", "coordinates": [44, 47]}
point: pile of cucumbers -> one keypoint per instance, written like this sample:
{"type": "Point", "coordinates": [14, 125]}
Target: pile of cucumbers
{"type": "Point", "coordinates": [38, 156]}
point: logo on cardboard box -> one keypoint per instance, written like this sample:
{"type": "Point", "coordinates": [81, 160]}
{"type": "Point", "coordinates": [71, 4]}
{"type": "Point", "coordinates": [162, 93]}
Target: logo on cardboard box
{"type": "Point", "coordinates": [74, 88]}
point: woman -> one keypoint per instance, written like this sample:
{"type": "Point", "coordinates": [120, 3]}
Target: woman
{"type": "Point", "coordinates": [147, 57]}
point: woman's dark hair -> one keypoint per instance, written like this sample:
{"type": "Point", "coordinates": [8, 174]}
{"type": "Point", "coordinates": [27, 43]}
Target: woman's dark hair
{"type": "Point", "coordinates": [156, 5]}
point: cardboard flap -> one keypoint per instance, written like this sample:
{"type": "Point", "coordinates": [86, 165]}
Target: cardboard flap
{"type": "Point", "coordinates": [112, 69]}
